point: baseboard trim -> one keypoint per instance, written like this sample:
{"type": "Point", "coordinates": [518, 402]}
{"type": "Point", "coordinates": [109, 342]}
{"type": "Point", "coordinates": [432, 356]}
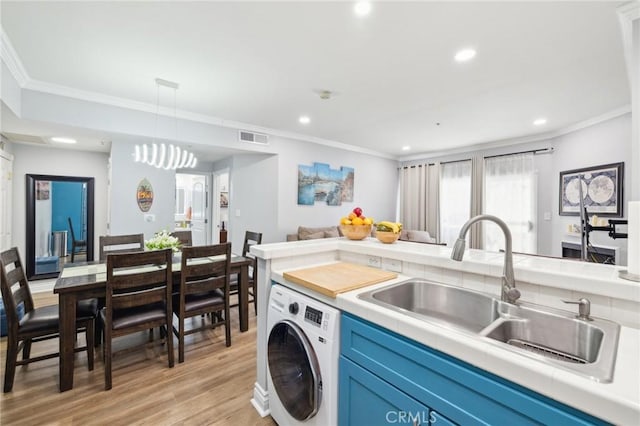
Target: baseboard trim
{"type": "Point", "coordinates": [260, 400]}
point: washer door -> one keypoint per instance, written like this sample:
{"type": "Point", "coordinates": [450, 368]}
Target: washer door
{"type": "Point", "coordinates": [294, 370]}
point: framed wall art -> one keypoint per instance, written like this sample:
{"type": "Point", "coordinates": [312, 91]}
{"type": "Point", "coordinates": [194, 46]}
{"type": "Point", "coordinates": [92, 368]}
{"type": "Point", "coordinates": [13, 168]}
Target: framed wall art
{"type": "Point", "coordinates": [602, 190]}
{"type": "Point", "coordinates": [321, 183]}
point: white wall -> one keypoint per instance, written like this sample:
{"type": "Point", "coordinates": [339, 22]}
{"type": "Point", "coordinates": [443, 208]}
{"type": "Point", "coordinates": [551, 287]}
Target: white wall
{"type": "Point", "coordinates": [126, 216]}
{"type": "Point", "coordinates": [31, 159]}
{"type": "Point", "coordinates": [375, 186]}
{"type": "Point", "coordinates": [10, 90]}
{"type": "Point", "coordinates": [603, 143]}
{"type": "Point", "coordinates": [253, 195]}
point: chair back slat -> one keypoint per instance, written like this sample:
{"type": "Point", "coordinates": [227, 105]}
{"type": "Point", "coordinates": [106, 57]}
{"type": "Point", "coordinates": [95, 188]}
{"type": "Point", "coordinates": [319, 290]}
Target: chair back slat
{"type": "Point", "coordinates": [139, 298]}
{"type": "Point", "coordinates": [205, 267]}
{"type": "Point", "coordinates": [145, 276]}
{"type": "Point", "coordinates": [112, 244]}
{"type": "Point", "coordinates": [207, 284]}
{"type": "Point", "coordinates": [12, 273]}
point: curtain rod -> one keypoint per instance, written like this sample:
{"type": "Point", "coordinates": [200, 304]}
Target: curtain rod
{"type": "Point", "coordinates": [533, 151]}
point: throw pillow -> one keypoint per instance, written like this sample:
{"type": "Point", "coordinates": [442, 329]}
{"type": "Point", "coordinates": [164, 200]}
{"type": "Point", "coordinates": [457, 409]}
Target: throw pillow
{"type": "Point", "coordinates": [313, 236]}
{"type": "Point", "coordinates": [421, 237]}
{"type": "Point", "coordinates": [333, 233]}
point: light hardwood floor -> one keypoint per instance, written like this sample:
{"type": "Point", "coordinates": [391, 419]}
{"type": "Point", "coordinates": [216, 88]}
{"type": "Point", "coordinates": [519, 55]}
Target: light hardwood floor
{"type": "Point", "coordinates": [212, 387]}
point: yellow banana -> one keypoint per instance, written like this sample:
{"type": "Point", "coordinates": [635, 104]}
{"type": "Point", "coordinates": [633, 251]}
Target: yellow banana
{"type": "Point", "coordinates": [392, 226]}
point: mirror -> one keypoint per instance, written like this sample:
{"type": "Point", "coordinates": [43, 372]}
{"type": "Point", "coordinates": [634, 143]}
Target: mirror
{"type": "Point", "coordinates": [54, 203]}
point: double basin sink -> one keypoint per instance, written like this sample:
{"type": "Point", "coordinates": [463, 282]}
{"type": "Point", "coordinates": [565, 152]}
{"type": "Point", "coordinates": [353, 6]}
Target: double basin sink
{"type": "Point", "coordinates": [552, 336]}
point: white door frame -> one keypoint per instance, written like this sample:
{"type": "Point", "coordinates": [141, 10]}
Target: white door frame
{"type": "Point", "coordinates": [216, 214]}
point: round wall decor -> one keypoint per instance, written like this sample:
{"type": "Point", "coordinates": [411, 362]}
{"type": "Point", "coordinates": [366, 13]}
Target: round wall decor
{"type": "Point", "coordinates": [144, 195]}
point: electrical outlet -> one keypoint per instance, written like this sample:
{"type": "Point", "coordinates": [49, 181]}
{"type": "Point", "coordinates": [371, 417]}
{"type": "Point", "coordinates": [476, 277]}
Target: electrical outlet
{"type": "Point", "coordinates": [394, 265]}
{"type": "Point", "coordinates": [374, 261]}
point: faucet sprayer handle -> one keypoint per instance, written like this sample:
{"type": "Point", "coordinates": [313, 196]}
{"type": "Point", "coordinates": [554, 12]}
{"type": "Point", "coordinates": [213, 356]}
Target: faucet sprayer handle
{"type": "Point", "coordinates": [584, 307]}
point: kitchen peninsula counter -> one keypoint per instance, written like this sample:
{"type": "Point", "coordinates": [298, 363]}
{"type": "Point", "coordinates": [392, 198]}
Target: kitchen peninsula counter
{"type": "Point", "coordinates": [542, 280]}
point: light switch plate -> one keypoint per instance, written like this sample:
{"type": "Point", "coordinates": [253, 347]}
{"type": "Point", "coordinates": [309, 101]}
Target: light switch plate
{"type": "Point", "coordinates": [547, 215]}
{"type": "Point", "coordinates": [374, 261]}
{"type": "Point", "coordinates": [394, 265]}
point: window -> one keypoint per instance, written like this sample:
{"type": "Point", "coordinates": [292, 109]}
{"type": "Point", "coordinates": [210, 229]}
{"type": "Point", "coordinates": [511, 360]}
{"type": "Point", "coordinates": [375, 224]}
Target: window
{"type": "Point", "coordinates": [455, 199]}
{"type": "Point", "coordinates": [510, 194]}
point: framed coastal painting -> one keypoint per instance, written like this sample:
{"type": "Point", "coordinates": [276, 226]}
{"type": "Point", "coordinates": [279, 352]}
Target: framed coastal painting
{"type": "Point", "coordinates": [602, 190]}
{"type": "Point", "coordinates": [320, 183]}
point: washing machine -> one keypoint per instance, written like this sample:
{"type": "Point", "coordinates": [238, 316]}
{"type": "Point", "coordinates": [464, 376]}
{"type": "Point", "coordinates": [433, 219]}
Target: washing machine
{"type": "Point", "coordinates": [302, 359]}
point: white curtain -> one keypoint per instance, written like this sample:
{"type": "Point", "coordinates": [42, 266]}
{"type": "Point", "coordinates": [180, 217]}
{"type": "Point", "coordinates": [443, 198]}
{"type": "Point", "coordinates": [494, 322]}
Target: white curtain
{"type": "Point", "coordinates": [419, 197]}
{"type": "Point", "coordinates": [455, 199]}
{"type": "Point", "coordinates": [477, 180]}
{"type": "Point", "coordinates": [510, 194]}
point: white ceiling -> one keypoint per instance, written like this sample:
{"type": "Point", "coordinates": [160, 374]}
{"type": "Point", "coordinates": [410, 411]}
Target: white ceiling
{"type": "Point", "coordinates": [393, 71]}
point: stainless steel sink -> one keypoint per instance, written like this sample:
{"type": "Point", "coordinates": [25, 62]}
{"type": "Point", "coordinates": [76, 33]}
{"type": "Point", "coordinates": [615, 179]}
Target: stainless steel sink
{"type": "Point", "coordinates": [549, 335]}
{"type": "Point", "coordinates": [585, 347]}
{"type": "Point", "coordinates": [435, 302]}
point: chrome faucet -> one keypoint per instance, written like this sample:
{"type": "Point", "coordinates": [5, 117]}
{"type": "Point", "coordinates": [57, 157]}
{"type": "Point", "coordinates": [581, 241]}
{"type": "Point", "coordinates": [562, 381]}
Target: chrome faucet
{"type": "Point", "coordinates": [509, 291]}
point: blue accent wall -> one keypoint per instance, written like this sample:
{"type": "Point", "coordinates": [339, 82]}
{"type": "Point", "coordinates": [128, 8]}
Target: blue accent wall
{"type": "Point", "coordinates": [68, 200]}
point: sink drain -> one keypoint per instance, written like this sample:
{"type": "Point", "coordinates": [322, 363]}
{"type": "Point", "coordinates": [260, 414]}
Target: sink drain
{"type": "Point", "coordinates": [545, 351]}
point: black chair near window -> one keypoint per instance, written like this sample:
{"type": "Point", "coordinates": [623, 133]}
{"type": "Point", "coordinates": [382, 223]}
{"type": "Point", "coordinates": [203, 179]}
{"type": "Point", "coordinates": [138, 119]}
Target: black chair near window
{"type": "Point", "coordinates": [80, 244]}
{"type": "Point", "coordinates": [38, 324]}
{"type": "Point", "coordinates": [138, 298]}
{"type": "Point", "coordinates": [250, 238]}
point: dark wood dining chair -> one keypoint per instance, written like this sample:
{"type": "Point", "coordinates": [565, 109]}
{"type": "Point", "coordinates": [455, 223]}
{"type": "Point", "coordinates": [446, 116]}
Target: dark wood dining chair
{"type": "Point", "coordinates": [138, 298]}
{"type": "Point", "coordinates": [112, 244]}
{"type": "Point", "coordinates": [38, 323]}
{"type": "Point", "coordinates": [250, 238]}
{"type": "Point", "coordinates": [185, 238]}
{"type": "Point", "coordinates": [80, 244]}
{"type": "Point", "coordinates": [204, 289]}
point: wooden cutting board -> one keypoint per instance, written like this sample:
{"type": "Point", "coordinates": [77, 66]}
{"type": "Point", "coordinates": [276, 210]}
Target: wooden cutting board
{"type": "Point", "coordinates": [338, 277]}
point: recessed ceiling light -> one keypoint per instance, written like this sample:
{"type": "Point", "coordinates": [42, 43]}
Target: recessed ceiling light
{"type": "Point", "coordinates": [59, 139]}
{"type": "Point", "coordinates": [362, 8]}
{"type": "Point", "coordinates": [406, 148]}
{"type": "Point", "coordinates": [465, 55]}
{"type": "Point", "coordinates": [540, 122]}
{"type": "Point", "coordinates": [304, 119]}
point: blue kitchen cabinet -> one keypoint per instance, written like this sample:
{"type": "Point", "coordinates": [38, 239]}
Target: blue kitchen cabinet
{"type": "Point", "coordinates": [368, 400]}
{"type": "Point", "coordinates": [404, 375]}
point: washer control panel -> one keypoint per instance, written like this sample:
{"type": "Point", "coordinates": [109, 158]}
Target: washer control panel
{"type": "Point", "coordinates": [313, 316]}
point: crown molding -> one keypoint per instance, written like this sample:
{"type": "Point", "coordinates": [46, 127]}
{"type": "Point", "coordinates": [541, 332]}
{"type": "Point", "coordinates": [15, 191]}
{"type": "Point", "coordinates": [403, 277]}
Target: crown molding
{"type": "Point", "coordinates": [627, 13]}
{"type": "Point", "coordinates": [88, 96]}
{"type": "Point", "coordinates": [12, 60]}
{"type": "Point", "coordinates": [525, 139]}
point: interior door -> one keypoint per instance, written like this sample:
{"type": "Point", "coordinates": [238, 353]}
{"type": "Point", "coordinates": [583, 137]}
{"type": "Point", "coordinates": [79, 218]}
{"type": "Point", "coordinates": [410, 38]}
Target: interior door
{"type": "Point", "coordinates": [200, 210]}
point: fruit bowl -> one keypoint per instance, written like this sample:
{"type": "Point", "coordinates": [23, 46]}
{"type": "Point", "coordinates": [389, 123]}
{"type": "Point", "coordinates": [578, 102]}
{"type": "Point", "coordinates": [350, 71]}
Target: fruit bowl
{"type": "Point", "coordinates": [387, 237]}
{"type": "Point", "coordinates": [356, 232]}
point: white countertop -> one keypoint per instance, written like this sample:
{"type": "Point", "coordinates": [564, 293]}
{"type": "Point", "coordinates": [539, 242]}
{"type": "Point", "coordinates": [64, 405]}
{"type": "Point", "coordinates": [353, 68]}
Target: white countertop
{"type": "Point", "coordinates": [617, 402]}
{"type": "Point", "coordinates": [574, 275]}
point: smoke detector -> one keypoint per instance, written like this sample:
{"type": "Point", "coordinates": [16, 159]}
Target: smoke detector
{"type": "Point", "coordinates": [325, 94]}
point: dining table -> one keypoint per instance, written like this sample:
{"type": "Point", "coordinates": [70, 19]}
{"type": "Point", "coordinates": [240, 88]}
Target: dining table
{"type": "Point", "coordinates": [85, 280]}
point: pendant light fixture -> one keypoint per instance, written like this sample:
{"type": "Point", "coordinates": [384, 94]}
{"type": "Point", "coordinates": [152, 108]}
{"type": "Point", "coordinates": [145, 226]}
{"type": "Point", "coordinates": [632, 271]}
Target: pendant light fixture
{"type": "Point", "coordinates": [158, 154]}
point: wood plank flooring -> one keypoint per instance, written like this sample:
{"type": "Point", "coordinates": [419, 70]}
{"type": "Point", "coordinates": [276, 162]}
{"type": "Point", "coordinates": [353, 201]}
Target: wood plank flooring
{"type": "Point", "coordinates": [212, 387]}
